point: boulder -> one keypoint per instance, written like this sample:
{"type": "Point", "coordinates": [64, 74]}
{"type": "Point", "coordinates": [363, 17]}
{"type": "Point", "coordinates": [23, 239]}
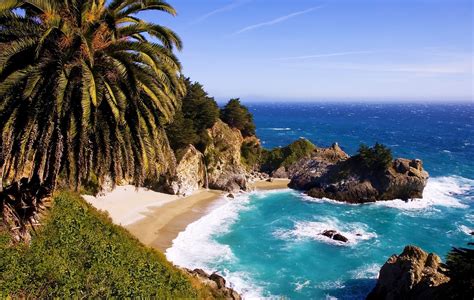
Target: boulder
{"type": "Point", "coordinates": [190, 172]}
{"type": "Point", "coordinates": [225, 169]}
{"type": "Point", "coordinates": [216, 283]}
{"type": "Point", "coordinates": [414, 274]}
{"type": "Point", "coordinates": [334, 235]}
{"type": "Point", "coordinates": [280, 173]}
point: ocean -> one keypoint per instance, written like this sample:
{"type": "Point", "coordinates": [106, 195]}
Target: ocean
{"type": "Point", "coordinates": [267, 244]}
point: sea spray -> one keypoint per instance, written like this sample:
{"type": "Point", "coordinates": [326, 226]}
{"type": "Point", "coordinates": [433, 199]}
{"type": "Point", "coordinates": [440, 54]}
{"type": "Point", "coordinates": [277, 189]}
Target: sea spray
{"type": "Point", "coordinates": [268, 243]}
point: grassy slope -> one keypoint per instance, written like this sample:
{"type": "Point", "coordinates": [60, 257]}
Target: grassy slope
{"type": "Point", "coordinates": [79, 252]}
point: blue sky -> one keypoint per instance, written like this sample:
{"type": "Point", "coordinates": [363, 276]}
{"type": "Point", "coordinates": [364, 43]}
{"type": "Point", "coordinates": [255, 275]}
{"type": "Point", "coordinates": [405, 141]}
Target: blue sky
{"type": "Point", "coordinates": [266, 50]}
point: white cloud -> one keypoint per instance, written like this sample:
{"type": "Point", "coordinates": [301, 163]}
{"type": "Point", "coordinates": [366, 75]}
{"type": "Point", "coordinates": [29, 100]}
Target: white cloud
{"type": "Point", "coordinates": [233, 5]}
{"type": "Point", "coordinates": [277, 20]}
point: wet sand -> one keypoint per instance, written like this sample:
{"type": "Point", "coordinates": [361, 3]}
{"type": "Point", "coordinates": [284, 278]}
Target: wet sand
{"type": "Point", "coordinates": [163, 224]}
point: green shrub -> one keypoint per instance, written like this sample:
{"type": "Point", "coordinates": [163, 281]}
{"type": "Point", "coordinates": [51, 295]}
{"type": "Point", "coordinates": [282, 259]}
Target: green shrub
{"type": "Point", "coordinates": [238, 116]}
{"type": "Point", "coordinates": [251, 154]}
{"type": "Point", "coordinates": [79, 253]}
{"type": "Point", "coordinates": [198, 112]}
{"type": "Point", "coordinates": [285, 156]}
{"type": "Point", "coordinates": [460, 263]}
{"type": "Point", "coordinates": [379, 157]}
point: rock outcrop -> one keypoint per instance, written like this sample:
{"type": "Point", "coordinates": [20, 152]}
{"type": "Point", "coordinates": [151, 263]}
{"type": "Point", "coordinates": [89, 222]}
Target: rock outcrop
{"type": "Point", "coordinates": [414, 274]}
{"type": "Point", "coordinates": [334, 235]}
{"type": "Point", "coordinates": [332, 174]}
{"type": "Point", "coordinates": [225, 169]}
{"type": "Point", "coordinates": [216, 283]}
{"type": "Point", "coordinates": [190, 172]}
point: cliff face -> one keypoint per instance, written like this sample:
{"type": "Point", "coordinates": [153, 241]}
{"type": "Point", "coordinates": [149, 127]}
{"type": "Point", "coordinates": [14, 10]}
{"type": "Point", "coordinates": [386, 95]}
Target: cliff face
{"type": "Point", "coordinates": [223, 158]}
{"type": "Point", "coordinates": [331, 173]}
{"type": "Point", "coordinates": [219, 167]}
{"type": "Point", "coordinates": [414, 274]}
{"type": "Point", "coordinates": [190, 172]}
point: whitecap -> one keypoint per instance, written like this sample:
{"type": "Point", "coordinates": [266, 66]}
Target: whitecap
{"type": "Point", "coordinates": [278, 128]}
{"type": "Point", "coordinates": [368, 271]}
{"type": "Point", "coordinates": [439, 191]}
{"type": "Point", "coordinates": [312, 230]}
{"type": "Point", "coordinates": [301, 285]}
{"type": "Point", "coordinates": [465, 229]}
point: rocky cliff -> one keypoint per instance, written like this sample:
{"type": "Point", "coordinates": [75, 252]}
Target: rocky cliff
{"type": "Point", "coordinates": [414, 274]}
{"type": "Point", "coordinates": [223, 158]}
{"type": "Point", "coordinates": [332, 174]}
{"type": "Point", "coordinates": [216, 283]}
{"type": "Point", "coordinates": [190, 172]}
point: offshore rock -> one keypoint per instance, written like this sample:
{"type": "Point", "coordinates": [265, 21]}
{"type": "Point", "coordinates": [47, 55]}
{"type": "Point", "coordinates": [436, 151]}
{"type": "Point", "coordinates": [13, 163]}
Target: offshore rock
{"type": "Point", "coordinates": [330, 173]}
{"type": "Point", "coordinates": [334, 235]}
{"type": "Point", "coordinates": [414, 274]}
{"type": "Point", "coordinates": [225, 169]}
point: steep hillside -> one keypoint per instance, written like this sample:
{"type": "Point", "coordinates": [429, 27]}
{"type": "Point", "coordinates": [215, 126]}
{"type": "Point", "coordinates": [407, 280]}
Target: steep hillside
{"type": "Point", "coordinates": [78, 252]}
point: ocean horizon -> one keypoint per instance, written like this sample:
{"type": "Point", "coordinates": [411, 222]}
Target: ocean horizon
{"type": "Point", "coordinates": [268, 243]}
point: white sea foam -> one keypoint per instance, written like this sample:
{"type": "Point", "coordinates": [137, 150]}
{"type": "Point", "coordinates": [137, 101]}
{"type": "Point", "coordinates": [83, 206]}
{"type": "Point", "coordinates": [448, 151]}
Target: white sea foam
{"type": "Point", "coordinates": [370, 271]}
{"type": "Point", "coordinates": [439, 191]}
{"type": "Point", "coordinates": [304, 230]}
{"type": "Point", "coordinates": [196, 248]}
{"type": "Point", "coordinates": [279, 128]}
{"type": "Point", "coordinates": [465, 229]}
{"type": "Point", "coordinates": [301, 285]}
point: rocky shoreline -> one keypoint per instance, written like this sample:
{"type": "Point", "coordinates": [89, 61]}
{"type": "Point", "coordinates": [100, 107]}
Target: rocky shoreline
{"type": "Point", "coordinates": [319, 172]}
{"type": "Point", "coordinates": [416, 274]}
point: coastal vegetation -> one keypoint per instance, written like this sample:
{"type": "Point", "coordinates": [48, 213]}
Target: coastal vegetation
{"type": "Point", "coordinates": [78, 252]}
{"type": "Point", "coordinates": [78, 79]}
{"type": "Point", "coordinates": [238, 116]}
{"type": "Point", "coordinates": [285, 156]}
{"type": "Point", "coordinates": [198, 112]}
{"type": "Point", "coordinates": [378, 157]}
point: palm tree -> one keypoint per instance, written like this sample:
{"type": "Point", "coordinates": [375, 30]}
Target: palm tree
{"type": "Point", "coordinates": [85, 87]}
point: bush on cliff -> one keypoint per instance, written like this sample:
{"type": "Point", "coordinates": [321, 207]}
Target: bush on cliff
{"type": "Point", "coordinates": [285, 156]}
{"type": "Point", "coordinates": [460, 263]}
{"type": "Point", "coordinates": [238, 116]}
{"type": "Point", "coordinates": [379, 157]}
{"type": "Point", "coordinates": [198, 112]}
{"type": "Point", "coordinates": [251, 153]}
{"type": "Point", "coordinates": [78, 252]}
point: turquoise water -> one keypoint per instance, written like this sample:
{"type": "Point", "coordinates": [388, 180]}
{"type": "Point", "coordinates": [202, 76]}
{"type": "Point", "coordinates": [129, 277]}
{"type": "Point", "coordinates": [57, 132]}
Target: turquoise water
{"type": "Point", "coordinates": [268, 243]}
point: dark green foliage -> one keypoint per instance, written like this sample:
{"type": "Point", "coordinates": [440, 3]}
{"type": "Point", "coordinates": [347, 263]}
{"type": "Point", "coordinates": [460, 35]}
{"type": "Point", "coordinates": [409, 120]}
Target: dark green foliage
{"type": "Point", "coordinates": [251, 154]}
{"type": "Point", "coordinates": [198, 113]}
{"type": "Point", "coordinates": [85, 86]}
{"type": "Point", "coordinates": [379, 157]}
{"type": "Point", "coordinates": [181, 132]}
{"type": "Point", "coordinates": [199, 107]}
{"type": "Point", "coordinates": [285, 156]}
{"type": "Point", "coordinates": [238, 116]}
{"type": "Point", "coordinates": [79, 253]}
{"type": "Point", "coordinates": [460, 263]}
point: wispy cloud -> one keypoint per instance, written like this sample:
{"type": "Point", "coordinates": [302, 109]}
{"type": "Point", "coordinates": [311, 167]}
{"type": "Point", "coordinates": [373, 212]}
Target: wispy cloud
{"type": "Point", "coordinates": [327, 55]}
{"type": "Point", "coordinates": [277, 20]}
{"type": "Point", "coordinates": [231, 6]}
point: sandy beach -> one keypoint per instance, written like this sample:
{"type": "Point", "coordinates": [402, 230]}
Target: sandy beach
{"type": "Point", "coordinates": [155, 218]}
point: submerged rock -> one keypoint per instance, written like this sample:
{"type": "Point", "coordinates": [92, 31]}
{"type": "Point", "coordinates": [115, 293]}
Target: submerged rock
{"type": "Point", "coordinates": [414, 274]}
